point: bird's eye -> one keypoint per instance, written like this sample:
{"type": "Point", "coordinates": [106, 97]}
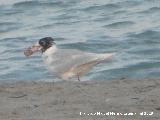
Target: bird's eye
{"type": "Point", "coordinates": [42, 43]}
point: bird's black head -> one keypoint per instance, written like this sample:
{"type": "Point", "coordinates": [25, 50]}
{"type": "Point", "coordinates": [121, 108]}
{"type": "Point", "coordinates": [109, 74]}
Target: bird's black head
{"type": "Point", "coordinates": [46, 43]}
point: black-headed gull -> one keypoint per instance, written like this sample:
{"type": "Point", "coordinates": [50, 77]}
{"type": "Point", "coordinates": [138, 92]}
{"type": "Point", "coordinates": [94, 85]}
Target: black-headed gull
{"type": "Point", "coordinates": [66, 63]}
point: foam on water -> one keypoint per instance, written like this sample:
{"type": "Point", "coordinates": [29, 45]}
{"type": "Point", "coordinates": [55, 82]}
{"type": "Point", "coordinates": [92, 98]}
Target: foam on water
{"type": "Point", "coordinates": [130, 28]}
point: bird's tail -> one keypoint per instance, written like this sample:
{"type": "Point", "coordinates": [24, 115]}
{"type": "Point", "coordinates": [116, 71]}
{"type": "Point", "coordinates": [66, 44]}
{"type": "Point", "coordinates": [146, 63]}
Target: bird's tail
{"type": "Point", "coordinates": [106, 56]}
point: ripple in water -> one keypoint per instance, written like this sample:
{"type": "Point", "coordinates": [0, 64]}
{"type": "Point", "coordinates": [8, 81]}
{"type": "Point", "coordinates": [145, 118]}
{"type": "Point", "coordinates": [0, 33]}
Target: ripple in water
{"type": "Point", "coordinates": [130, 28]}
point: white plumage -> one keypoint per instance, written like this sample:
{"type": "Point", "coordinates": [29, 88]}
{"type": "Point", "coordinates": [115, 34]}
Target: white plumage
{"type": "Point", "coordinates": [67, 63]}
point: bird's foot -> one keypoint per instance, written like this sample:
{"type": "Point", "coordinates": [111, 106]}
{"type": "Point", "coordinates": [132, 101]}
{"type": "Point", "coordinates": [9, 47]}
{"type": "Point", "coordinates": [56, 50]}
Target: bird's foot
{"type": "Point", "coordinates": [78, 78]}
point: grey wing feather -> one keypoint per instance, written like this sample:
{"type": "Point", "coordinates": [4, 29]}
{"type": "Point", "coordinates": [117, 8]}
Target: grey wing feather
{"type": "Point", "coordinates": [65, 59]}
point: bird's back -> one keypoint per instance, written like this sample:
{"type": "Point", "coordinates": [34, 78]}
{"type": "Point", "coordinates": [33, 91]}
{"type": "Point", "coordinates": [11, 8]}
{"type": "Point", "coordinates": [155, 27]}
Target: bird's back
{"type": "Point", "coordinates": [63, 60]}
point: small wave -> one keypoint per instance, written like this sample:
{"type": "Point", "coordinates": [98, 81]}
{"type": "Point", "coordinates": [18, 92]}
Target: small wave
{"type": "Point", "coordinates": [150, 11]}
{"type": "Point", "coordinates": [120, 12]}
{"type": "Point", "coordinates": [134, 70]}
{"type": "Point", "coordinates": [154, 9]}
{"type": "Point", "coordinates": [16, 40]}
{"type": "Point", "coordinates": [102, 19]}
{"type": "Point", "coordinates": [45, 26]}
{"type": "Point", "coordinates": [102, 7]}
{"type": "Point", "coordinates": [67, 22]}
{"type": "Point", "coordinates": [148, 34]}
{"type": "Point", "coordinates": [6, 23]}
{"type": "Point", "coordinates": [145, 52]}
{"type": "Point", "coordinates": [13, 59]}
{"type": "Point", "coordinates": [8, 26]}
{"type": "Point", "coordinates": [59, 38]}
{"type": "Point", "coordinates": [64, 16]}
{"type": "Point", "coordinates": [144, 65]}
{"type": "Point", "coordinates": [119, 24]}
{"type": "Point", "coordinates": [129, 3]}
{"type": "Point", "coordinates": [27, 3]}
{"type": "Point", "coordinates": [38, 4]}
{"type": "Point", "coordinates": [10, 2]}
{"type": "Point", "coordinates": [5, 10]}
{"type": "Point", "coordinates": [11, 12]}
{"type": "Point", "coordinates": [92, 46]}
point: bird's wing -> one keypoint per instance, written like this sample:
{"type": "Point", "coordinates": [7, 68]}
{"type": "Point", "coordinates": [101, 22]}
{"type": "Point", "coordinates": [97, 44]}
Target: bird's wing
{"type": "Point", "coordinates": [66, 59]}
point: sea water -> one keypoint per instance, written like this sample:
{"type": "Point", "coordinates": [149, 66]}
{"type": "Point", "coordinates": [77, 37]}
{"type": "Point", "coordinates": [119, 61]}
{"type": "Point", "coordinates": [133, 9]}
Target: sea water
{"type": "Point", "coordinates": [131, 28]}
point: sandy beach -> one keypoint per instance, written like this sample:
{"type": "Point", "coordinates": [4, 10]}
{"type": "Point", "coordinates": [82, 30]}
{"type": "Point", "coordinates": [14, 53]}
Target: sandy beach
{"type": "Point", "coordinates": [125, 99]}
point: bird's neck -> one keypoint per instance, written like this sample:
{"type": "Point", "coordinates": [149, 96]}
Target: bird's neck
{"type": "Point", "coordinates": [50, 51]}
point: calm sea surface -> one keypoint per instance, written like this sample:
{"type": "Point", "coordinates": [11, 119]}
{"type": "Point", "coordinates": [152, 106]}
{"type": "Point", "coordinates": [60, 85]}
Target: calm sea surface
{"type": "Point", "coordinates": [129, 27]}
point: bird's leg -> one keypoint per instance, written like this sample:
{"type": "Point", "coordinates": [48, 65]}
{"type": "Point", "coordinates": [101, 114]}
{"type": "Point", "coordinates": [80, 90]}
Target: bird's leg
{"type": "Point", "coordinates": [78, 78]}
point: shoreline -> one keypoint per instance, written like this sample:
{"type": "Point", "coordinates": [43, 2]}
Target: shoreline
{"type": "Point", "coordinates": [70, 100]}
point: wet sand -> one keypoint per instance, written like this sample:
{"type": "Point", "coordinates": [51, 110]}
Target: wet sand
{"type": "Point", "coordinates": [125, 99]}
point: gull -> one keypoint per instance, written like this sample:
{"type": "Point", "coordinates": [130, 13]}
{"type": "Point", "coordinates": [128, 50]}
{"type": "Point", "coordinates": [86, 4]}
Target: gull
{"type": "Point", "coordinates": [66, 63]}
